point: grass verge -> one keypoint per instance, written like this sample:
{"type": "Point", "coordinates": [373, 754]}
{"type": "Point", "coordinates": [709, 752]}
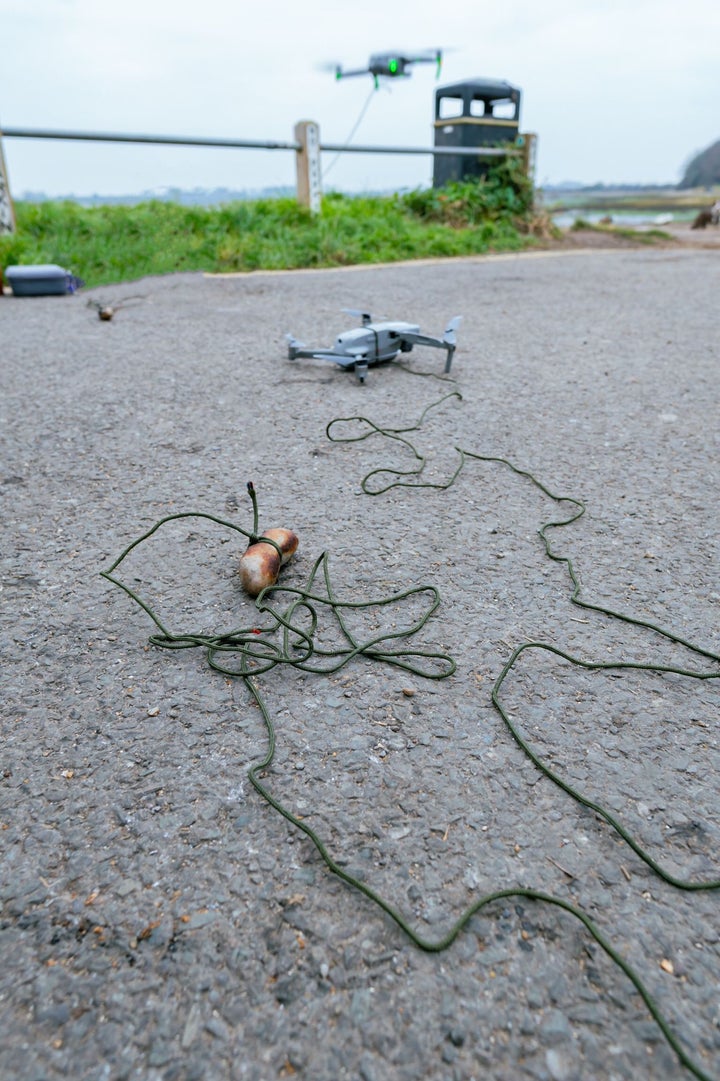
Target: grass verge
{"type": "Point", "coordinates": [108, 244]}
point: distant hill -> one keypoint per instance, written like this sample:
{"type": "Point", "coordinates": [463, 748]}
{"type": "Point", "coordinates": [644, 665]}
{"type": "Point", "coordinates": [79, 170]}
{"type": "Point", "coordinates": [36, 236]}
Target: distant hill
{"type": "Point", "coordinates": [703, 171]}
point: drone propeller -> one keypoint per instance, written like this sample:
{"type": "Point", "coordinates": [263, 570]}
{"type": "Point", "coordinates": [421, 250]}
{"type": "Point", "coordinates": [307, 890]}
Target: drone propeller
{"type": "Point", "coordinates": [450, 337]}
{"type": "Point", "coordinates": [365, 316]}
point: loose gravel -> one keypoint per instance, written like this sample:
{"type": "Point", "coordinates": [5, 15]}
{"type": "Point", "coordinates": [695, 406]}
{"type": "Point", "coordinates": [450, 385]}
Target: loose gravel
{"type": "Point", "coordinates": [161, 922]}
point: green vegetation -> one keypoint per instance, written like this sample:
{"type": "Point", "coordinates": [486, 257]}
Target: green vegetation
{"type": "Point", "coordinates": [106, 244]}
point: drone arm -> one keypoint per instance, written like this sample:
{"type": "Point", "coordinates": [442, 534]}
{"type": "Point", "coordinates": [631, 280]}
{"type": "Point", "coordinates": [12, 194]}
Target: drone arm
{"type": "Point", "coordinates": [447, 339]}
{"type": "Point", "coordinates": [342, 73]}
{"type": "Point", "coordinates": [345, 360]}
{"type": "Point", "coordinates": [424, 339]}
{"type": "Point", "coordinates": [447, 342]}
{"type": "Point", "coordinates": [420, 339]}
{"type": "Point", "coordinates": [294, 353]}
{"type": "Point", "coordinates": [299, 349]}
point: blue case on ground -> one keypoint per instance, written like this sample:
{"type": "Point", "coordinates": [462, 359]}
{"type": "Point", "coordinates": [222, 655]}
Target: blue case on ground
{"type": "Point", "coordinates": [41, 280]}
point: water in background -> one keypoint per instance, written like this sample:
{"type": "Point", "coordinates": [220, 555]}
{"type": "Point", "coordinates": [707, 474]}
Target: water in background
{"type": "Point", "coordinates": [635, 219]}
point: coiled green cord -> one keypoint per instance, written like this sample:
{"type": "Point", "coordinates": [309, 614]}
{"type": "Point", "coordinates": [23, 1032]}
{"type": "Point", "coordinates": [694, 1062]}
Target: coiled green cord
{"type": "Point", "coordinates": [256, 654]}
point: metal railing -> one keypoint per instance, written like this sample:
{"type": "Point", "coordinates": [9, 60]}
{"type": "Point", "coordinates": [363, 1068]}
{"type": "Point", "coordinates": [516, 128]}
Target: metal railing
{"type": "Point", "coordinates": [159, 140]}
{"type": "Point", "coordinates": [306, 145]}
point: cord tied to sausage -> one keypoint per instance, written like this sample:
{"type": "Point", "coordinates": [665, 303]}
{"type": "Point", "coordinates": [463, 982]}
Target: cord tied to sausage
{"type": "Point", "coordinates": [261, 562]}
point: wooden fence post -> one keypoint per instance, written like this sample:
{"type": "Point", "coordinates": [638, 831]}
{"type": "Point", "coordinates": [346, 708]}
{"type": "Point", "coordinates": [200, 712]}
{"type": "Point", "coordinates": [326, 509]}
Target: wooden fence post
{"type": "Point", "coordinates": [307, 165]}
{"type": "Point", "coordinates": [529, 154]}
{"type": "Point", "coordinates": [7, 211]}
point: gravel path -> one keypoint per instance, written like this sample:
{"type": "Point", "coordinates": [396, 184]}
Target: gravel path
{"type": "Point", "coordinates": [159, 920]}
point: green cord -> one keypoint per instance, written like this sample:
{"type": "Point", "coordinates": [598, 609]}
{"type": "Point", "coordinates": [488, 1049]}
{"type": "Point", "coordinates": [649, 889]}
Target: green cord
{"type": "Point", "coordinates": [397, 435]}
{"type": "Point", "coordinates": [256, 654]}
{"type": "Point", "coordinates": [438, 946]}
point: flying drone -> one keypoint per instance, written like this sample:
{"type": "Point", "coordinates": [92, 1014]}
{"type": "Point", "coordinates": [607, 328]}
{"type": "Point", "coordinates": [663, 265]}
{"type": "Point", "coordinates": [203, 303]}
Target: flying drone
{"type": "Point", "coordinates": [372, 343]}
{"type": "Point", "coordinates": [393, 65]}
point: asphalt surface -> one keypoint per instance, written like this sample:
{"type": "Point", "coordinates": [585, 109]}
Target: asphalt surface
{"type": "Point", "coordinates": [159, 919]}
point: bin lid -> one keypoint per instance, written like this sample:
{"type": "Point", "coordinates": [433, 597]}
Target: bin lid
{"type": "Point", "coordinates": [485, 89]}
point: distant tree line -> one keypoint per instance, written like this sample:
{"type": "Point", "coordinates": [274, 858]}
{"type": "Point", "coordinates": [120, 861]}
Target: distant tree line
{"type": "Point", "coordinates": [703, 171]}
{"type": "Point", "coordinates": [195, 197]}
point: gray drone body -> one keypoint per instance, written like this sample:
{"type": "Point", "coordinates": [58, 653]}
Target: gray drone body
{"type": "Point", "coordinates": [373, 343]}
{"type": "Point", "coordinates": [393, 65]}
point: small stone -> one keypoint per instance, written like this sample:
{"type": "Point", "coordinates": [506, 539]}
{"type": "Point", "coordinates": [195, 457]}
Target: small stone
{"type": "Point", "coordinates": [288, 989]}
{"type": "Point", "coordinates": [555, 1028]}
{"type": "Point", "coordinates": [126, 887]}
{"type": "Point", "coordinates": [217, 1027]}
{"type": "Point", "coordinates": [192, 1026]}
{"type": "Point", "coordinates": [200, 919]}
{"type": "Point", "coordinates": [558, 1065]}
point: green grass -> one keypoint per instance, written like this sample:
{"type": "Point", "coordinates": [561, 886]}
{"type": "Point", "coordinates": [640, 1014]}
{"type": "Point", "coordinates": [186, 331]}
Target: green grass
{"type": "Point", "coordinates": [107, 244]}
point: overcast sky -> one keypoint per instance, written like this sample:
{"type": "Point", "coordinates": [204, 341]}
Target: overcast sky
{"type": "Point", "coordinates": [619, 91]}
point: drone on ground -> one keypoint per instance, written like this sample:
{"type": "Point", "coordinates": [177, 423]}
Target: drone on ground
{"type": "Point", "coordinates": [393, 65]}
{"type": "Point", "coordinates": [372, 343]}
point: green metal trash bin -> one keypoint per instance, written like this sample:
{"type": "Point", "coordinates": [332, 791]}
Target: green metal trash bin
{"type": "Point", "coordinates": [477, 112]}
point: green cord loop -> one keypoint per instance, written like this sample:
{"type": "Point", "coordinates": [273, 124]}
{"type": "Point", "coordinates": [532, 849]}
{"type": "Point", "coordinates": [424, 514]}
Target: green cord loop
{"type": "Point", "coordinates": [255, 654]}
